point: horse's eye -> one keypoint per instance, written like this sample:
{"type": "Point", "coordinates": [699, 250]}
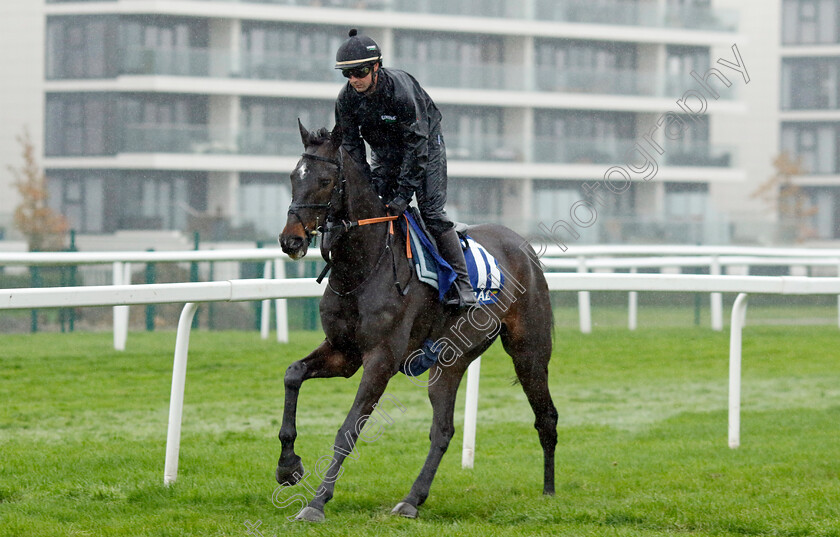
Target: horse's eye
{"type": "Point", "coordinates": [326, 182]}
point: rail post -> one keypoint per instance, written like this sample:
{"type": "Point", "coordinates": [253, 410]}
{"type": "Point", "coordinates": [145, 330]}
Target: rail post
{"type": "Point", "coordinates": [176, 396]}
{"type": "Point", "coordinates": [739, 314]}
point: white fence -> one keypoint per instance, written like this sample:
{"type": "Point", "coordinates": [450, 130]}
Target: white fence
{"type": "Point", "coordinates": [121, 263]}
{"type": "Point", "coordinates": [583, 259]}
{"type": "Point", "coordinates": [240, 290]}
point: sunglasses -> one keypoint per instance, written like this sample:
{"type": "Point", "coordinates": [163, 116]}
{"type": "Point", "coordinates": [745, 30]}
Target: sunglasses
{"type": "Point", "coordinates": [358, 72]}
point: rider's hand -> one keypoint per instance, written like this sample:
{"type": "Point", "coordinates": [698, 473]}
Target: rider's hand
{"type": "Point", "coordinates": [397, 206]}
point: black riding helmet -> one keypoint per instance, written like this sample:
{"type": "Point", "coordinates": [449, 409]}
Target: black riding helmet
{"type": "Point", "coordinates": [357, 51]}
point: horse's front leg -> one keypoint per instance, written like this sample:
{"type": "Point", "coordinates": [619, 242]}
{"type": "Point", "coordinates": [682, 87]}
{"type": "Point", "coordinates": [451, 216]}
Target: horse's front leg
{"type": "Point", "coordinates": [378, 370]}
{"type": "Point", "coordinates": [323, 362]}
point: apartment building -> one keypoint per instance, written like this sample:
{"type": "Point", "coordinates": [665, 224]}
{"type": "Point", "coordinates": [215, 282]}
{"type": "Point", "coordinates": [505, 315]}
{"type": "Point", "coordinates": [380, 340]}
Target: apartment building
{"type": "Point", "coordinates": [810, 108]}
{"type": "Point", "coordinates": [181, 115]}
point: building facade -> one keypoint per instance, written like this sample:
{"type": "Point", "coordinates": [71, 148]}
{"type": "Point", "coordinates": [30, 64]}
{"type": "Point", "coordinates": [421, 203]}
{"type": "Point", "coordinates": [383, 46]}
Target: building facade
{"type": "Point", "coordinates": [810, 110]}
{"type": "Point", "coordinates": [559, 116]}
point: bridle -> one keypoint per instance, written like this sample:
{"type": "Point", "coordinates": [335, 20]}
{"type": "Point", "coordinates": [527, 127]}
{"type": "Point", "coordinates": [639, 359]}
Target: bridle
{"type": "Point", "coordinates": [331, 225]}
{"type": "Point", "coordinates": [338, 191]}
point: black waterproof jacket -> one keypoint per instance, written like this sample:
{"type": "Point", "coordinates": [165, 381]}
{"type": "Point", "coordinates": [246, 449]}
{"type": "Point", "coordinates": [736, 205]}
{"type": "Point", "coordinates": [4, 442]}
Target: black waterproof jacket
{"type": "Point", "coordinates": [398, 120]}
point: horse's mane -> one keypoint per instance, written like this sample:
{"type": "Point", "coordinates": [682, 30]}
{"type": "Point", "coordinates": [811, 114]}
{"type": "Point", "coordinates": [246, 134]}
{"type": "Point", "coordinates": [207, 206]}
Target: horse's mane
{"type": "Point", "coordinates": [319, 137]}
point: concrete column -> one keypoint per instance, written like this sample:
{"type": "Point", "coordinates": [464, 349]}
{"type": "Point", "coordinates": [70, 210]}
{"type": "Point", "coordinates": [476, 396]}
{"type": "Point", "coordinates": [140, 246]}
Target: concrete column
{"type": "Point", "coordinates": [225, 37]}
{"type": "Point", "coordinates": [222, 193]}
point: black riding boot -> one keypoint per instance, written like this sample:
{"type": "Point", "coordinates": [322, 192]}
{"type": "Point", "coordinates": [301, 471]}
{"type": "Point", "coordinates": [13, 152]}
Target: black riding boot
{"type": "Point", "coordinates": [450, 249]}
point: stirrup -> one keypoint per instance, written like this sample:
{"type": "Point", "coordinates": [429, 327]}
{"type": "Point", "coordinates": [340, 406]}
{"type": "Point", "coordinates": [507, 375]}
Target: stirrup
{"type": "Point", "coordinates": [461, 298]}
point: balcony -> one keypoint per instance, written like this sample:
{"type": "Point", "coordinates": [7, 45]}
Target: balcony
{"type": "Point", "coordinates": [269, 141]}
{"type": "Point", "coordinates": [454, 74]}
{"type": "Point", "coordinates": [483, 147]}
{"type": "Point", "coordinates": [582, 150]}
{"type": "Point", "coordinates": [175, 62]}
{"type": "Point", "coordinates": [677, 85]}
{"type": "Point", "coordinates": [286, 66]}
{"type": "Point", "coordinates": [604, 12]}
{"type": "Point", "coordinates": [700, 154]}
{"type": "Point", "coordinates": [204, 62]}
{"type": "Point", "coordinates": [177, 138]}
{"type": "Point", "coordinates": [614, 81]}
{"type": "Point", "coordinates": [199, 62]}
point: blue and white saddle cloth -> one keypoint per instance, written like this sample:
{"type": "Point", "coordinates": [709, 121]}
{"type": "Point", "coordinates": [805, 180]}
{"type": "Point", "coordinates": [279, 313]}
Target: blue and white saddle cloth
{"type": "Point", "coordinates": [486, 278]}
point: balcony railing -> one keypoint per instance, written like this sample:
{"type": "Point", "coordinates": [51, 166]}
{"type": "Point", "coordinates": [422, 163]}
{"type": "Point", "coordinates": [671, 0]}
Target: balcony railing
{"type": "Point", "coordinates": [700, 154]}
{"type": "Point", "coordinates": [198, 62]}
{"type": "Point", "coordinates": [177, 138]}
{"type": "Point", "coordinates": [677, 85]}
{"type": "Point", "coordinates": [176, 62]}
{"type": "Point", "coordinates": [287, 66]}
{"type": "Point", "coordinates": [610, 12]}
{"type": "Point", "coordinates": [452, 74]}
{"type": "Point", "coordinates": [614, 81]}
{"type": "Point", "coordinates": [269, 141]}
{"type": "Point", "coordinates": [484, 147]}
{"type": "Point", "coordinates": [582, 150]}
{"type": "Point", "coordinates": [201, 139]}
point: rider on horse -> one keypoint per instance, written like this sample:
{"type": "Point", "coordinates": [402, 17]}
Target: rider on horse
{"type": "Point", "coordinates": [389, 110]}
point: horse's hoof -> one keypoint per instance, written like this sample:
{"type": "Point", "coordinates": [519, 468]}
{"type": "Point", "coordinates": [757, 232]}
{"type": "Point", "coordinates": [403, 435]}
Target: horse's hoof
{"type": "Point", "coordinates": [405, 509]}
{"type": "Point", "coordinates": [289, 474]}
{"type": "Point", "coordinates": [310, 514]}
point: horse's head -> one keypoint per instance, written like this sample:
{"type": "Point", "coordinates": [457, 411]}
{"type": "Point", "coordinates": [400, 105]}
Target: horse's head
{"type": "Point", "coordinates": [315, 182]}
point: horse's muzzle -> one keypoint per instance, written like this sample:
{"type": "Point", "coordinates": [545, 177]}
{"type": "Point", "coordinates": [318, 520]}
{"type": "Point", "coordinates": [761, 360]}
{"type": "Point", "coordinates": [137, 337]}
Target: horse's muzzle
{"type": "Point", "coordinates": [294, 246]}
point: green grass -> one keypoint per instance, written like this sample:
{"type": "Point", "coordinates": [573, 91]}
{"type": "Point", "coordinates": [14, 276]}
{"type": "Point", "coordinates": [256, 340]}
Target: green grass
{"type": "Point", "coordinates": [642, 447]}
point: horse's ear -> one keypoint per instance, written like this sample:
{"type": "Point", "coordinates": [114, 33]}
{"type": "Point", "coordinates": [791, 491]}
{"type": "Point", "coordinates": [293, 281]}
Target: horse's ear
{"type": "Point", "coordinates": [335, 136]}
{"type": "Point", "coordinates": [304, 134]}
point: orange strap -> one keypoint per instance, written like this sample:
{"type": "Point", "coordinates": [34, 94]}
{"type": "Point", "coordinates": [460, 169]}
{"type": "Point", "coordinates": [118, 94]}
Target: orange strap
{"type": "Point", "coordinates": [377, 220]}
{"type": "Point", "coordinates": [407, 238]}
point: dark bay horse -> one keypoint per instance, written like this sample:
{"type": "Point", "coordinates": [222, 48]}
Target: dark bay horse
{"type": "Point", "coordinates": [375, 315]}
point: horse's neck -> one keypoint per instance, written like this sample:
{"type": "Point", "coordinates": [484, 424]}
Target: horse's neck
{"type": "Point", "coordinates": [357, 250]}
{"type": "Point", "coordinates": [361, 200]}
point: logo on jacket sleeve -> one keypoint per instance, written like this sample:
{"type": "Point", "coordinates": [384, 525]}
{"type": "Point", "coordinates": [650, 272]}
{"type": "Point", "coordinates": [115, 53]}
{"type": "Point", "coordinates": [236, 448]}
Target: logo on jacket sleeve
{"type": "Point", "coordinates": [388, 119]}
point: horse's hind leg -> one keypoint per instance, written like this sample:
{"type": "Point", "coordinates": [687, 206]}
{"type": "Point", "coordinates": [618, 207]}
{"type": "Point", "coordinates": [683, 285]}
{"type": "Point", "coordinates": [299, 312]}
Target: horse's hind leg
{"type": "Point", "coordinates": [323, 362]}
{"type": "Point", "coordinates": [442, 392]}
{"type": "Point", "coordinates": [531, 351]}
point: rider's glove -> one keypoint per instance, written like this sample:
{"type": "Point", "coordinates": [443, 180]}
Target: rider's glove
{"type": "Point", "coordinates": [397, 205]}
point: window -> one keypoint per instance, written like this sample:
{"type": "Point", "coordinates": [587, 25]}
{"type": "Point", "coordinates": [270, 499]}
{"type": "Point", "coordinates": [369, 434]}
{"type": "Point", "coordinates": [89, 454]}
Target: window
{"type": "Point", "coordinates": [816, 144]}
{"type": "Point", "coordinates": [680, 62]}
{"type": "Point", "coordinates": [264, 200]}
{"type": "Point", "coordinates": [474, 201]}
{"type": "Point", "coordinates": [289, 52]}
{"type": "Point", "coordinates": [588, 66]}
{"type": "Point", "coordinates": [476, 134]}
{"type": "Point", "coordinates": [583, 137]}
{"type": "Point", "coordinates": [269, 126]}
{"type": "Point", "coordinates": [156, 200]}
{"type": "Point", "coordinates": [806, 22]}
{"type": "Point", "coordinates": [79, 196]}
{"type": "Point", "coordinates": [811, 84]}
{"type": "Point", "coordinates": [81, 47]}
{"type": "Point", "coordinates": [166, 123]}
{"type": "Point", "coordinates": [561, 208]}
{"type": "Point", "coordinates": [438, 59]}
{"type": "Point", "coordinates": [80, 124]}
{"type": "Point", "coordinates": [824, 223]}
{"type": "Point", "coordinates": [165, 45]}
